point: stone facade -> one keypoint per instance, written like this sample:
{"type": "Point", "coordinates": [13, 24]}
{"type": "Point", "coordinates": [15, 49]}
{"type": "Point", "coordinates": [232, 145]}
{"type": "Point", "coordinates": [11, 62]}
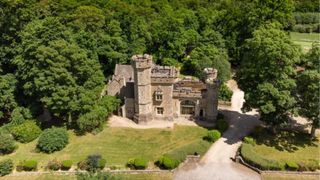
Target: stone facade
{"type": "Point", "coordinates": [150, 92]}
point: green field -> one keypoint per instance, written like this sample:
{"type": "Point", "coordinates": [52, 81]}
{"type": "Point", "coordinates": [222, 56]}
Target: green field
{"type": "Point", "coordinates": [305, 39]}
{"type": "Point", "coordinates": [117, 145]}
{"type": "Point", "coordinates": [289, 177]}
{"type": "Point", "coordinates": [282, 148]}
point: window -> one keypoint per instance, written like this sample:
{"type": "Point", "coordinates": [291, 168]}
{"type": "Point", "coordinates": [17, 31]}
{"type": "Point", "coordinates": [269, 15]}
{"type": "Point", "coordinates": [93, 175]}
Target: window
{"type": "Point", "coordinates": [187, 107]}
{"type": "Point", "coordinates": [158, 95]}
{"type": "Point", "coordinates": [159, 110]}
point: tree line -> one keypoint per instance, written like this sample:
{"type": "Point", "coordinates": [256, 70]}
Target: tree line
{"type": "Point", "coordinates": [56, 55]}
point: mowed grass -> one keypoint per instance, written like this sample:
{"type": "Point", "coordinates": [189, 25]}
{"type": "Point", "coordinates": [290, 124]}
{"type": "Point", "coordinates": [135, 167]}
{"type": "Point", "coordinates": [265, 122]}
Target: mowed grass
{"type": "Point", "coordinates": [116, 145]}
{"type": "Point", "coordinates": [287, 147]}
{"type": "Point", "coordinates": [305, 40]}
{"type": "Point", "coordinates": [289, 177]}
{"type": "Point", "coordinates": [154, 176]}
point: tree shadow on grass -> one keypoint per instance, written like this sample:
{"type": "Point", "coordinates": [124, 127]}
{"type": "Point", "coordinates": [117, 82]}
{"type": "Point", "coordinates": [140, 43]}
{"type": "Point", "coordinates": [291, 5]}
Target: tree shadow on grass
{"type": "Point", "coordinates": [289, 141]}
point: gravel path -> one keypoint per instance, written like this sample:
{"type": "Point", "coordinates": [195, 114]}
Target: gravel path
{"type": "Point", "coordinates": [216, 163]}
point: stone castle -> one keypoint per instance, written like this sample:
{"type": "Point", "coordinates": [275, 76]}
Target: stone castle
{"type": "Point", "coordinates": [152, 92]}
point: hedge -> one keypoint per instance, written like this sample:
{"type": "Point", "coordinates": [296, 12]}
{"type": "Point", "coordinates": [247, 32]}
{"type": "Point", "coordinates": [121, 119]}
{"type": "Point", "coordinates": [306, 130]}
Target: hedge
{"type": "Point", "coordinates": [29, 165]}
{"type": "Point", "coordinates": [292, 166]}
{"type": "Point", "coordinates": [6, 167]}
{"type": "Point", "coordinates": [213, 135]}
{"type": "Point", "coordinates": [66, 165]}
{"type": "Point", "coordinates": [137, 163]}
{"type": "Point", "coordinates": [167, 162]}
{"type": "Point", "coordinates": [26, 132]}
{"type": "Point", "coordinates": [251, 157]}
{"type": "Point", "coordinates": [249, 140]}
{"type": "Point", "coordinates": [222, 125]}
{"type": "Point", "coordinates": [225, 93]}
{"type": "Point", "coordinates": [54, 165]}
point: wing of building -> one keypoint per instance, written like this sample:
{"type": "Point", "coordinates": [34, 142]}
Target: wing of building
{"type": "Point", "coordinates": [150, 92]}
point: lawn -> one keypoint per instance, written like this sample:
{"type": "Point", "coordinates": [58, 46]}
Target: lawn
{"type": "Point", "coordinates": [283, 147]}
{"type": "Point", "coordinates": [154, 176]}
{"type": "Point", "coordinates": [117, 145]}
{"type": "Point", "coordinates": [288, 177]}
{"type": "Point", "coordinates": [305, 39]}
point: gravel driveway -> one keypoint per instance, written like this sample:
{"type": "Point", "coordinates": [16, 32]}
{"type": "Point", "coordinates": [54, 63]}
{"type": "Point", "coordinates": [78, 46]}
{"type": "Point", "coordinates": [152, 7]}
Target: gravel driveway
{"type": "Point", "coordinates": [216, 164]}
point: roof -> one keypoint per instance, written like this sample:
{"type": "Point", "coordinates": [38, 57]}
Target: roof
{"type": "Point", "coordinates": [125, 71]}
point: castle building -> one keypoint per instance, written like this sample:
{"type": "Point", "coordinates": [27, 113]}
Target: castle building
{"type": "Point", "coordinates": [152, 92]}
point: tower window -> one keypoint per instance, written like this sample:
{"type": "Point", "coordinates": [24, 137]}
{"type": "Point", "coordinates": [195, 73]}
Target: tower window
{"type": "Point", "coordinates": [160, 110]}
{"type": "Point", "coordinates": [158, 95]}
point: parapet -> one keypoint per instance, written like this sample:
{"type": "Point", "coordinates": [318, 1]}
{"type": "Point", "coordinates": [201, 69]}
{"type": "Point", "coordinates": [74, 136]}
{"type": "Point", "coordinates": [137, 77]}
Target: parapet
{"type": "Point", "coordinates": [142, 61]}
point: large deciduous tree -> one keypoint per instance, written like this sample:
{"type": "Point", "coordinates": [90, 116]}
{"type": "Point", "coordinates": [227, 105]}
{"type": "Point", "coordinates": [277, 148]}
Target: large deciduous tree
{"type": "Point", "coordinates": [267, 72]}
{"type": "Point", "coordinates": [55, 71]}
{"type": "Point", "coordinates": [308, 83]}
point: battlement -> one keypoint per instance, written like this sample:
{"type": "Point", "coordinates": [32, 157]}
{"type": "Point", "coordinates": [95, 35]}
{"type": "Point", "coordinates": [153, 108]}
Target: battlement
{"type": "Point", "coordinates": [164, 71]}
{"type": "Point", "coordinates": [142, 61]}
{"type": "Point", "coordinates": [187, 93]}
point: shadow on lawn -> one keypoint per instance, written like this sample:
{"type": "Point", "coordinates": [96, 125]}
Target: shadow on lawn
{"type": "Point", "coordinates": [284, 140]}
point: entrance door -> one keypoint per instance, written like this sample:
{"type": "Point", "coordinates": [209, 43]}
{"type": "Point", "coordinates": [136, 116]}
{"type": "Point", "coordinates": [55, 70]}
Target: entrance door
{"type": "Point", "coordinates": [187, 107]}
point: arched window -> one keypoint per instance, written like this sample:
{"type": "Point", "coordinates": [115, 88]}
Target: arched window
{"type": "Point", "coordinates": [187, 107]}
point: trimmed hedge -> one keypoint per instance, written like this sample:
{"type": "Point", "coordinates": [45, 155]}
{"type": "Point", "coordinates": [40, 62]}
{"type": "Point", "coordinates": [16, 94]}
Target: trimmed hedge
{"type": "Point", "coordinates": [66, 165]}
{"type": "Point", "coordinates": [92, 163]}
{"type": "Point", "coordinates": [251, 157]}
{"type": "Point", "coordinates": [6, 167]}
{"type": "Point", "coordinates": [213, 135]}
{"type": "Point", "coordinates": [137, 163]}
{"type": "Point", "coordinates": [53, 139]}
{"type": "Point", "coordinates": [167, 162]}
{"type": "Point", "coordinates": [26, 132]}
{"type": "Point", "coordinates": [29, 165]}
{"type": "Point", "coordinates": [292, 166]}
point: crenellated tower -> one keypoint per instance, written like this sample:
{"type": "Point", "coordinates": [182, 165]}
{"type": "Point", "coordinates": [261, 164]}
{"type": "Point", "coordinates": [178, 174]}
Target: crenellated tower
{"type": "Point", "coordinates": [211, 94]}
{"type": "Point", "coordinates": [142, 65]}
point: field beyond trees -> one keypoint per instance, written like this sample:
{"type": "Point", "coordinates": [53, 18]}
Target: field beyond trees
{"type": "Point", "coordinates": [305, 40]}
{"type": "Point", "coordinates": [118, 145]}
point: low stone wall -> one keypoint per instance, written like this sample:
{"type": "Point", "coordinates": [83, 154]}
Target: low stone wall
{"type": "Point", "coordinates": [224, 103]}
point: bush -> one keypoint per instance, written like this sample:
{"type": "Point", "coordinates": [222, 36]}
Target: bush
{"type": "Point", "coordinates": [251, 157]}
{"type": "Point", "coordinates": [222, 125]}
{"type": "Point", "coordinates": [137, 163]}
{"type": "Point", "coordinates": [225, 93]}
{"type": "Point", "coordinates": [26, 132]}
{"type": "Point", "coordinates": [53, 139]}
{"type": "Point", "coordinates": [7, 143]}
{"type": "Point", "coordinates": [311, 165]}
{"type": "Point", "coordinates": [249, 140]}
{"type": "Point", "coordinates": [92, 163]}
{"type": "Point", "coordinates": [29, 165]}
{"type": "Point", "coordinates": [213, 135]}
{"type": "Point", "coordinates": [54, 165]}
{"type": "Point", "coordinates": [167, 162]}
{"type": "Point", "coordinates": [20, 114]}
{"type": "Point", "coordinates": [66, 165]}
{"type": "Point", "coordinates": [292, 166]}
{"type": "Point", "coordinates": [6, 167]}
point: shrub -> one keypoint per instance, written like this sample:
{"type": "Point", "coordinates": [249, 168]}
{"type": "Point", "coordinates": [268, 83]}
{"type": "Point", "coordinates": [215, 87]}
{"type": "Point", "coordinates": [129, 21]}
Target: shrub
{"type": "Point", "coordinates": [53, 139]}
{"type": "Point", "coordinates": [92, 163]}
{"type": "Point", "coordinates": [7, 143]}
{"type": "Point", "coordinates": [213, 135]}
{"type": "Point", "coordinates": [26, 132]}
{"type": "Point", "coordinates": [29, 165]}
{"type": "Point", "coordinates": [251, 157]}
{"type": "Point", "coordinates": [20, 114]}
{"type": "Point", "coordinates": [66, 165]}
{"type": "Point", "coordinates": [310, 165]}
{"type": "Point", "coordinates": [137, 163]}
{"type": "Point", "coordinates": [292, 166]}
{"type": "Point", "coordinates": [249, 140]}
{"type": "Point", "coordinates": [54, 165]}
{"type": "Point", "coordinates": [225, 93]}
{"type": "Point", "coordinates": [222, 125]}
{"type": "Point", "coordinates": [6, 167]}
{"type": "Point", "coordinates": [167, 162]}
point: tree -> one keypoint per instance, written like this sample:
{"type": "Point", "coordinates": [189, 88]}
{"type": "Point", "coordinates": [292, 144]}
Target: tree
{"type": "Point", "coordinates": [7, 95]}
{"type": "Point", "coordinates": [308, 89]}
{"type": "Point", "coordinates": [267, 72]}
{"type": "Point", "coordinates": [208, 56]}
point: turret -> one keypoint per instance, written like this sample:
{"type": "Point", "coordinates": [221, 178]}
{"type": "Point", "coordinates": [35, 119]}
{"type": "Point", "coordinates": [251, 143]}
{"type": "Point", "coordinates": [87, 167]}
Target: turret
{"type": "Point", "coordinates": [142, 65]}
{"type": "Point", "coordinates": [211, 94]}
